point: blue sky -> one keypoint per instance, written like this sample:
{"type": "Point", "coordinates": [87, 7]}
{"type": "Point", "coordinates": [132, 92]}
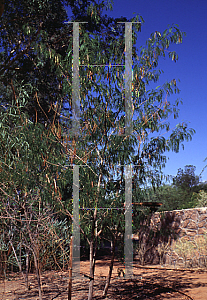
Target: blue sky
{"type": "Point", "coordinates": [191, 67]}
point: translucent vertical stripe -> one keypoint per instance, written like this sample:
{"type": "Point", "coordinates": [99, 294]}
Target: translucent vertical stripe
{"type": "Point", "coordinates": [76, 228]}
{"type": "Point", "coordinates": [75, 82]}
{"type": "Point", "coordinates": [128, 246]}
{"type": "Point", "coordinates": [128, 78]}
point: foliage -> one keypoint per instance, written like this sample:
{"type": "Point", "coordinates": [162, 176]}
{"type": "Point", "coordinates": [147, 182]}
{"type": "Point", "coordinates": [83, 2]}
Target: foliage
{"type": "Point", "coordinates": [189, 183]}
{"type": "Point", "coordinates": [186, 179]}
{"type": "Point", "coordinates": [35, 39]}
{"type": "Point", "coordinates": [184, 249]}
{"type": "Point", "coordinates": [170, 197]}
{"type": "Point", "coordinates": [202, 199]}
{"type": "Point", "coordinates": [182, 194]}
{"type": "Point", "coordinates": [201, 246]}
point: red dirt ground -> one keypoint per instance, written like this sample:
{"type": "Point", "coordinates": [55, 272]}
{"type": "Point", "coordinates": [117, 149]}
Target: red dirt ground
{"type": "Point", "coordinates": [147, 283]}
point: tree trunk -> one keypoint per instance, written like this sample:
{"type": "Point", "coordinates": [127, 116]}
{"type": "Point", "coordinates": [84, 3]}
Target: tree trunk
{"type": "Point", "coordinates": [38, 275]}
{"type": "Point", "coordinates": [35, 251]}
{"type": "Point", "coordinates": [113, 245]}
{"type": "Point", "coordinates": [92, 268]}
{"type": "Point", "coordinates": [92, 248]}
{"type": "Point", "coordinates": [19, 264]}
{"type": "Point", "coordinates": [27, 268]}
{"type": "Point", "coordinates": [110, 269]}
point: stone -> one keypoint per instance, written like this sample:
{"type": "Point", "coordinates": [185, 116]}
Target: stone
{"type": "Point", "coordinates": [202, 210]}
{"type": "Point", "coordinates": [185, 223]}
{"type": "Point", "coordinates": [202, 231]}
{"type": "Point", "coordinates": [202, 223]}
{"type": "Point", "coordinates": [192, 225]}
{"type": "Point", "coordinates": [182, 233]}
{"type": "Point", "coordinates": [190, 232]}
{"type": "Point", "coordinates": [190, 214]}
{"type": "Point", "coordinates": [203, 217]}
{"type": "Point", "coordinates": [178, 212]}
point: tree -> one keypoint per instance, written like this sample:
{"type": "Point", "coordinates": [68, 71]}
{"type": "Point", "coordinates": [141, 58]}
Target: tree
{"type": "Point", "coordinates": [187, 183]}
{"type": "Point", "coordinates": [183, 193]}
{"type": "Point", "coordinates": [186, 179]}
{"type": "Point", "coordinates": [40, 143]}
{"type": "Point", "coordinates": [103, 150]}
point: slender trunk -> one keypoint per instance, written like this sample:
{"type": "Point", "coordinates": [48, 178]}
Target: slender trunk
{"type": "Point", "coordinates": [27, 268]}
{"type": "Point", "coordinates": [19, 264]}
{"type": "Point", "coordinates": [5, 264]}
{"type": "Point", "coordinates": [35, 250]}
{"type": "Point", "coordinates": [92, 266]}
{"type": "Point", "coordinates": [92, 248]}
{"type": "Point", "coordinates": [15, 254]}
{"type": "Point", "coordinates": [110, 269]}
{"type": "Point", "coordinates": [20, 254]}
{"type": "Point", "coordinates": [38, 275]}
{"type": "Point", "coordinates": [114, 239]}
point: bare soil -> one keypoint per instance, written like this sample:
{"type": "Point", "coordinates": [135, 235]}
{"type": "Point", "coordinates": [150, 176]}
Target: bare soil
{"type": "Point", "coordinates": [147, 283]}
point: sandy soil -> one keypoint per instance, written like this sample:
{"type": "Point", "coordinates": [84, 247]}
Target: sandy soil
{"type": "Point", "coordinates": [147, 283]}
